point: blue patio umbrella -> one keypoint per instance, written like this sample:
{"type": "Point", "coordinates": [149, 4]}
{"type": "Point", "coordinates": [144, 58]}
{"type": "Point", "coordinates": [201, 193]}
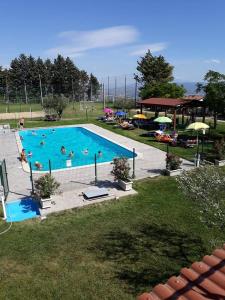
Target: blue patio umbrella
{"type": "Point", "coordinates": [120, 113]}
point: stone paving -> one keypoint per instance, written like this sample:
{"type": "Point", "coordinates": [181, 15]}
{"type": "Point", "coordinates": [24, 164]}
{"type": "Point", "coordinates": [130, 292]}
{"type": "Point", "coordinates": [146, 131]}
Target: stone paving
{"type": "Point", "coordinates": [149, 163]}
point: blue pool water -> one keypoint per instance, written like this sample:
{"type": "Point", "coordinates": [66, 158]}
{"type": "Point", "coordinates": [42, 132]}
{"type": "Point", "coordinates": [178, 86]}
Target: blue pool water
{"type": "Point", "coordinates": [76, 139]}
{"type": "Point", "coordinates": [21, 210]}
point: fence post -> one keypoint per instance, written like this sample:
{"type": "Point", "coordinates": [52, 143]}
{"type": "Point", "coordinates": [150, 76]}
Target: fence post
{"type": "Point", "coordinates": [96, 179]}
{"type": "Point", "coordinates": [31, 179]}
{"type": "Point", "coordinates": [86, 113]}
{"type": "Point", "coordinates": [50, 167]}
{"type": "Point", "coordinates": [133, 175]}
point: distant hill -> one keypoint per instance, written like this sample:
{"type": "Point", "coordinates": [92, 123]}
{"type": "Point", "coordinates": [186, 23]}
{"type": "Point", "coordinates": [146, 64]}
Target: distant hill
{"type": "Point", "coordinates": [189, 86]}
{"type": "Point", "coordinates": [130, 90]}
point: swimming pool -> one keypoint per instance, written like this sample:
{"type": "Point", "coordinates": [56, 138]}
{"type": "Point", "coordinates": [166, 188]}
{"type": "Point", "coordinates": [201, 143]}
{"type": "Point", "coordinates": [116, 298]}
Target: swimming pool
{"type": "Point", "coordinates": [84, 143]}
{"type": "Point", "coordinates": [22, 209]}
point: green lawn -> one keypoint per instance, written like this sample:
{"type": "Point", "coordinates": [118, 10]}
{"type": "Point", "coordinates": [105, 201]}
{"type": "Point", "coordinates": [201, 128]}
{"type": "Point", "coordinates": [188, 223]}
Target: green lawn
{"type": "Point", "coordinates": [113, 250]}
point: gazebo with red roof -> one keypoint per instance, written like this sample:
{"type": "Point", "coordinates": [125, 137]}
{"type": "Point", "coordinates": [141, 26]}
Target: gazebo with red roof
{"type": "Point", "coordinates": [172, 103]}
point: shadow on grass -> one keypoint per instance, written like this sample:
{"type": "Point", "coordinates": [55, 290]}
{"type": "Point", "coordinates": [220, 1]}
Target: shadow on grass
{"type": "Point", "coordinates": [149, 255]}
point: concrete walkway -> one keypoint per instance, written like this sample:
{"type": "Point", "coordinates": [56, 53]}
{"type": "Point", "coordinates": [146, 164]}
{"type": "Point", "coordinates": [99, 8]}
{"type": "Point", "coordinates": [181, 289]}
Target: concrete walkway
{"type": "Point", "coordinates": [149, 163]}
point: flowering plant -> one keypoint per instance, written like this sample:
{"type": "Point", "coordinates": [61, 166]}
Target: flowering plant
{"type": "Point", "coordinates": [206, 187]}
{"type": "Point", "coordinates": [121, 169]}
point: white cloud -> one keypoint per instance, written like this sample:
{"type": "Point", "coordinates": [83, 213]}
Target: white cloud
{"type": "Point", "coordinates": [212, 61]}
{"type": "Point", "coordinates": [142, 49]}
{"type": "Point", "coordinates": [78, 42]}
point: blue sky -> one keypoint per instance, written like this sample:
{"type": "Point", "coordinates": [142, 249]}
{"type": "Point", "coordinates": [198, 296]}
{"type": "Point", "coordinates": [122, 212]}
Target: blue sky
{"type": "Point", "coordinates": [107, 37]}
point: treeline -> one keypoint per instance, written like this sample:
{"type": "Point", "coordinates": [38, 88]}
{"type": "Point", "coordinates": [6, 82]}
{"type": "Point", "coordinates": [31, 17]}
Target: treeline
{"type": "Point", "coordinates": [29, 78]}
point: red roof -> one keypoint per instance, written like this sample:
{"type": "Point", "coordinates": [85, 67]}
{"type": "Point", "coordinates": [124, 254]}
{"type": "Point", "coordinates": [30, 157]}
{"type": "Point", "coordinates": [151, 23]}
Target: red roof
{"type": "Point", "coordinates": [203, 280]}
{"type": "Point", "coordinates": [194, 97]}
{"type": "Point", "coordinates": [169, 102]}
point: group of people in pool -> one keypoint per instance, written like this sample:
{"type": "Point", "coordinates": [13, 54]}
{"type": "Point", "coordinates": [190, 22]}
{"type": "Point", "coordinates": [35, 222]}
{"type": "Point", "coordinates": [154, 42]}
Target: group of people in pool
{"type": "Point", "coordinates": [71, 153]}
{"type": "Point", "coordinates": [37, 164]}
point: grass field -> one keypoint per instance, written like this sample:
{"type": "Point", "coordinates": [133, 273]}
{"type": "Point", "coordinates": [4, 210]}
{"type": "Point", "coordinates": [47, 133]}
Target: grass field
{"type": "Point", "coordinates": [112, 251]}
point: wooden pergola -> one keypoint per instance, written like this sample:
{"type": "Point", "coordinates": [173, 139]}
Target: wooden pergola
{"type": "Point", "coordinates": [170, 103]}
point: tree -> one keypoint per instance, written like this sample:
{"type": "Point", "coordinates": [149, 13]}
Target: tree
{"type": "Point", "coordinates": [167, 90]}
{"type": "Point", "coordinates": [214, 90]}
{"type": "Point", "coordinates": [55, 104]}
{"type": "Point", "coordinates": [93, 87]}
{"type": "Point", "coordinates": [58, 77]}
{"type": "Point", "coordinates": [205, 187]}
{"type": "Point", "coordinates": [153, 69]}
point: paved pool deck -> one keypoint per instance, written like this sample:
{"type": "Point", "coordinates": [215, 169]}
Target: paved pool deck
{"type": "Point", "coordinates": [149, 163]}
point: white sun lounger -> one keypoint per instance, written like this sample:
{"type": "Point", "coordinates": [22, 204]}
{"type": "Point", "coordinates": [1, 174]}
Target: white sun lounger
{"type": "Point", "coordinates": [4, 128]}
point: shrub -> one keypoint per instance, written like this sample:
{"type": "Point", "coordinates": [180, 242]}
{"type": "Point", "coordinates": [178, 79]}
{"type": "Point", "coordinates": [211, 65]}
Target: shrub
{"type": "Point", "coordinates": [219, 149]}
{"type": "Point", "coordinates": [205, 186]}
{"type": "Point", "coordinates": [173, 162]}
{"type": "Point", "coordinates": [121, 169]}
{"type": "Point", "coordinates": [45, 186]}
{"type": "Point", "coordinates": [55, 104]}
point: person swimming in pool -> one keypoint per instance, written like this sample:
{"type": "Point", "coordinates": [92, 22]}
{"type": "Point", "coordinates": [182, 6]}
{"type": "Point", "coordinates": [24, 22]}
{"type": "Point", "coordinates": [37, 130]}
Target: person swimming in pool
{"type": "Point", "coordinates": [85, 151]}
{"type": "Point", "coordinates": [34, 132]}
{"type": "Point", "coordinates": [44, 135]}
{"type": "Point", "coordinates": [71, 154]}
{"type": "Point", "coordinates": [30, 154]}
{"type": "Point", "coordinates": [21, 138]}
{"type": "Point", "coordinates": [53, 130]}
{"type": "Point", "coordinates": [38, 165]}
{"type": "Point", "coordinates": [63, 150]}
{"type": "Point", "coordinates": [42, 143]}
{"type": "Point", "coordinates": [99, 153]}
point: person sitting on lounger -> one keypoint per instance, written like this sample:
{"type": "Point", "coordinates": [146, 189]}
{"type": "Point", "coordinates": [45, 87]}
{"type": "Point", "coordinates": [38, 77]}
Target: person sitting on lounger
{"type": "Point", "coordinates": [126, 125]}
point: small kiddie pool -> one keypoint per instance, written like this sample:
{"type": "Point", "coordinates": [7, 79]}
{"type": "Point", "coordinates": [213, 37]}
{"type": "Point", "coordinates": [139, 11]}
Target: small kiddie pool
{"type": "Point", "coordinates": [42, 145]}
{"type": "Point", "coordinates": [22, 209]}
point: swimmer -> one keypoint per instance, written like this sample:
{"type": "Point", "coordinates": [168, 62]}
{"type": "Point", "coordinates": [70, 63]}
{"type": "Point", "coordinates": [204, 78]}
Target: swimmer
{"type": "Point", "coordinates": [85, 151]}
{"type": "Point", "coordinates": [63, 150]}
{"type": "Point", "coordinates": [23, 156]}
{"type": "Point", "coordinates": [71, 154]}
{"type": "Point", "coordinates": [29, 154]}
{"type": "Point", "coordinates": [38, 165]}
{"type": "Point", "coordinates": [99, 153]}
{"type": "Point", "coordinates": [44, 135]}
{"type": "Point", "coordinates": [53, 130]}
{"type": "Point", "coordinates": [42, 143]}
{"type": "Point", "coordinates": [34, 132]}
{"type": "Point", "coordinates": [21, 138]}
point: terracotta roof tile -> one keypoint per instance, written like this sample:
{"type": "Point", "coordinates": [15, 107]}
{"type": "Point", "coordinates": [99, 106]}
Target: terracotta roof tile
{"type": "Point", "coordinates": [170, 102]}
{"type": "Point", "coordinates": [203, 280]}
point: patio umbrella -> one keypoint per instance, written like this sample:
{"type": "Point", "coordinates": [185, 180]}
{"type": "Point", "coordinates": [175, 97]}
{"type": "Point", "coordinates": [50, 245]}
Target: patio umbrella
{"type": "Point", "coordinates": [120, 113]}
{"type": "Point", "coordinates": [139, 116]}
{"type": "Point", "coordinates": [108, 110]}
{"type": "Point", "coordinates": [197, 126]}
{"type": "Point", "coordinates": [162, 120]}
